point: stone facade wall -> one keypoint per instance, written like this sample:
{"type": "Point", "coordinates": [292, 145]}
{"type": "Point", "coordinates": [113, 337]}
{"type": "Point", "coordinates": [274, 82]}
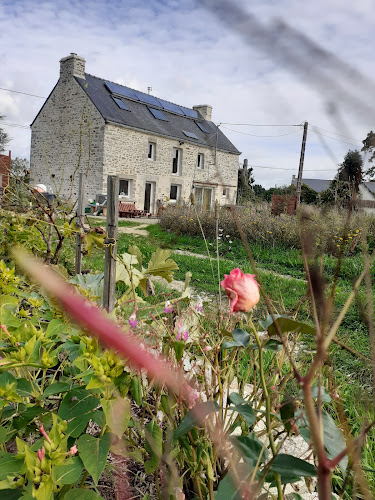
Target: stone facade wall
{"type": "Point", "coordinates": [126, 155]}
{"type": "Point", "coordinates": [67, 138]}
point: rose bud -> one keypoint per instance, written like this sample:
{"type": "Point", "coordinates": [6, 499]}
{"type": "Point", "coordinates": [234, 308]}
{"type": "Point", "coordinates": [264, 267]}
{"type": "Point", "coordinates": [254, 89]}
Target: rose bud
{"type": "Point", "coordinates": [242, 290]}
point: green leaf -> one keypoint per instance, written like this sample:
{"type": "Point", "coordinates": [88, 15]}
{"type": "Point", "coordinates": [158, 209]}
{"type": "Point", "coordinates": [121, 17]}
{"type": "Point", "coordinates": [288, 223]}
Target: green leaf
{"type": "Point", "coordinates": [56, 388]}
{"type": "Point", "coordinates": [273, 345]}
{"type": "Point", "coordinates": [136, 390]}
{"type": "Point", "coordinates": [93, 453]}
{"type": "Point", "coordinates": [287, 412]}
{"type": "Point", "coordinates": [134, 250]}
{"type": "Point", "coordinates": [228, 489]}
{"type": "Point", "coordinates": [77, 406]}
{"type": "Point", "coordinates": [9, 465]}
{"type": "Point", "coordinates": [243, 408]}
{"type": "Point", "coordinates": [24, 388]}
{"type": "Point", "coordinates": [250, 448]}
{"type": "Point", "coordinates": [3, 434]}
{"type": "Point", "coordinates": [68, 473]}
{"type": "Point", "coordinates": [153, 445]}
{"type": "Point", "coordinates": [289, 325]}
{"type": "Point", "coordinates": [288, 465]}
{"type": "Point", "coordinates": [76, 403]}
{"type": "Point", "coordinates": [241, 336]}
{"type": "Point", "coordinates": [161, 265]}
{"type": "Point", "coordinates": [194, 417]}
{"type": "Point", "coordinates": [25, 417]}
{"type": "Point", "coordinates": [179, 347]}
{"type": "Point", "coordinates": [126, 272]}
{"type": "Point", "coordinates": [293, 496]}
{"type": "Point", "coordinates": [82, 494]}
{"type": "Point", "coordinates": [326, 398]}
{"type": "Point", "coordinates": [334, 440]}
{"type": "Point", "coordinates": [55, 327]}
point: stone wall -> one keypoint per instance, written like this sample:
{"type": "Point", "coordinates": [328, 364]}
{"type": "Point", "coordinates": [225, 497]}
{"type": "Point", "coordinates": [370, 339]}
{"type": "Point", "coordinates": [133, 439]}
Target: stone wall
{"type": "Point", "coordinates": [67, 138]}
{"type": "Point", "coordinates": [126, 155]}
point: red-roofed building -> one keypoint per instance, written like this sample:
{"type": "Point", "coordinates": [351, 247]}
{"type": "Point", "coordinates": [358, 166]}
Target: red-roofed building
{"type": "Point", "coordinates": [4, 171]}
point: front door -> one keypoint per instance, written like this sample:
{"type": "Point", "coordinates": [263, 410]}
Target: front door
{"type": "Point", "coordinates": [149, 197]}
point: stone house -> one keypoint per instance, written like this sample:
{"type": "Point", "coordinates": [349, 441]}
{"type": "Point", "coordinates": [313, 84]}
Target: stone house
{"type": "Point", "coordinates": [5, 162]}
{"type": "Point", "coordinates": [158, 149]}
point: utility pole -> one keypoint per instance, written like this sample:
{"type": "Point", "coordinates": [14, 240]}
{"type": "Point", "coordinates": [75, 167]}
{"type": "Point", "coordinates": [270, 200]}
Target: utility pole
{"type": "Point", "coordinates": [111, 243]}
{"type": "Point", "coordinates": [80, 215]}
{"type": "Point", "coordinates": [301, 160]}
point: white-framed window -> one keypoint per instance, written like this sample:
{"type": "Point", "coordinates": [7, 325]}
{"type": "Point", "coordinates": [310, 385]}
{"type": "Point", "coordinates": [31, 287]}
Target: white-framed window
{"type": "Point", "coordinates": [176, 161]}
{"type": "Point", "coordinates": [124, 188]}
{"type": "Point", "coordinates": [175, 192]}
{"type": "Point", "coordinates": [151, 155]}
{"type": "Point", "coordinates": [225, 193]}
{"type": "Point", "coordinates": [200, 161]}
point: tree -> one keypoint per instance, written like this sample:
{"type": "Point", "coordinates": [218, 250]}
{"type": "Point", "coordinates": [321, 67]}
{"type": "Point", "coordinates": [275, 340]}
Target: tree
{"type": "Point", "coordinates": [369, 147]}
{"type": "Point", "coordinates": [245, 182]}
{"type": "Point", "coordinates": [20, 168]}
{"type": "Point", "coordinates": [4, 138]}
{"type": "Point", "coordinates": [350, 169]}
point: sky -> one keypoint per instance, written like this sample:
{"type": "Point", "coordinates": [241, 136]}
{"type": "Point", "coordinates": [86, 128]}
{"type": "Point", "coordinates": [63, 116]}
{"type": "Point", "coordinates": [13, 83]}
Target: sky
{"type": "Point", "coordinates": [257, 62]}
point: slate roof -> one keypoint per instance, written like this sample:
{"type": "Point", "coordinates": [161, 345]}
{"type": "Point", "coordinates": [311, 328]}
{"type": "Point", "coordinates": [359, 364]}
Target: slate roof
{"type": "Point", "coordinates": [317, 185]}
{"type": "Point", "coordinates": [139, 117]}
{"type": "Point", "coordinates": [320, 185]}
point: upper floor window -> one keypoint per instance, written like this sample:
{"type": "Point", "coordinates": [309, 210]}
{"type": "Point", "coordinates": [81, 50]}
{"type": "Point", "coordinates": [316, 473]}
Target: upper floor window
{"type": "Point", "coordinates": [124, 188]}
{"type": "Point", "coordinates": [176, 162]}
{"type": "Point", "coordinates": [200, 161]}
{"type": "Point", "coordinates": [225, 193]}
{"type": "Point", "coordinates": [151, 151]}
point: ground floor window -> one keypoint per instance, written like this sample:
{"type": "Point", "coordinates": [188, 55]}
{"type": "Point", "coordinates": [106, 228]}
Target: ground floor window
{"type": "Point", "coordinates": [124, 188]}
{"type": "Point", "coordinates": [203, 197]}
{"type": "Point", "coordinates": [175, 192]}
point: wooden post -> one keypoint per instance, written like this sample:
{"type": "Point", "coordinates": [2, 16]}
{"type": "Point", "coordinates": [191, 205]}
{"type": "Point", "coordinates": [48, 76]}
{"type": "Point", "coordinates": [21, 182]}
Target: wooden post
{"type": "Point", "coordinates": [111, 243]}
{"type": "Point", "coordinates": [80, 215]}
{"type": "Point", "coordinates": [301, 160]}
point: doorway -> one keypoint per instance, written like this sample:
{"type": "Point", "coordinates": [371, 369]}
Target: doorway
{"type": "Point", "coordinates": [149, 197]}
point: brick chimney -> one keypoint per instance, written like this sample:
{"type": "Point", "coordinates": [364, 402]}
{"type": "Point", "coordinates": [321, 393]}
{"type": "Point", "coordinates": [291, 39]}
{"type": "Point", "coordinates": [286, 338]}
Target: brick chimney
{"type": "Point", "coordinates": [72, 65]}
{"type": "Point", "coordinates": [205, 110]}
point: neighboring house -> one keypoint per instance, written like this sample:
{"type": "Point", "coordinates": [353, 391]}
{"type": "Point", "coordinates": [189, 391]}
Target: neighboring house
{"type": "Point", "coordinates": [317, 185]}
{"type": "Point", "coordinates": [366, 191]}
{"type": "Point", "coordinates": [4, 171]}
{"type": "Point", "coordinates": [158, 149]}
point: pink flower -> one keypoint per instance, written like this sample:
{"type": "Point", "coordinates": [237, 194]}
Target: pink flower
{"type": "Point", "coordinates": [133, 320]}
{"type": "Point", "coordinates": [73, 450]}
{"type": "Point", "coordinates": [207, 348]}
{"type": "Point", "coordinates": [242, 290]}
{"type": "Point", "coordinates": [182, 332]}
{"type": "Point", "coordinates": [41, 428]}
{"type": "Point", "coordinates": [41, 453]}
{"type": "Point", "coordinates": [199, 307]}
{"type": "Point", "coordinates": [168, 307]}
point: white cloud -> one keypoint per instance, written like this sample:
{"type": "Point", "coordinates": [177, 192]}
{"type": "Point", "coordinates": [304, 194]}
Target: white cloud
{"type": "Point", "coordinates": [189, 57]}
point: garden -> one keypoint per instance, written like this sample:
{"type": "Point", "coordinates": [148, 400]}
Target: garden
{"type": "Point", "coordinates": [236, 363]}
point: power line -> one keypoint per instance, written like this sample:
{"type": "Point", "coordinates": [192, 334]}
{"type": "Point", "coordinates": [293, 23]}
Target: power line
{"type": "Point", "coordinates": [335, 139]}
{"type": "Point", "coordinates": [335, 133]}
{"type": "Point", "coordinates": [305, 170]}
{"type": "Point", "coordinates": [24, 93]}
{"type": "Point", "coordinates": [255, 135]}
{"type": "Point", "coordinates": [14, 125]}
{"type": "Point", "coordinates": [259, 125]}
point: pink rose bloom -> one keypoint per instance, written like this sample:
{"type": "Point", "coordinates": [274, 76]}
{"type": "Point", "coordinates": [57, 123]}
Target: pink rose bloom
{"type": "Point", "coordinates": [242, 290]}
